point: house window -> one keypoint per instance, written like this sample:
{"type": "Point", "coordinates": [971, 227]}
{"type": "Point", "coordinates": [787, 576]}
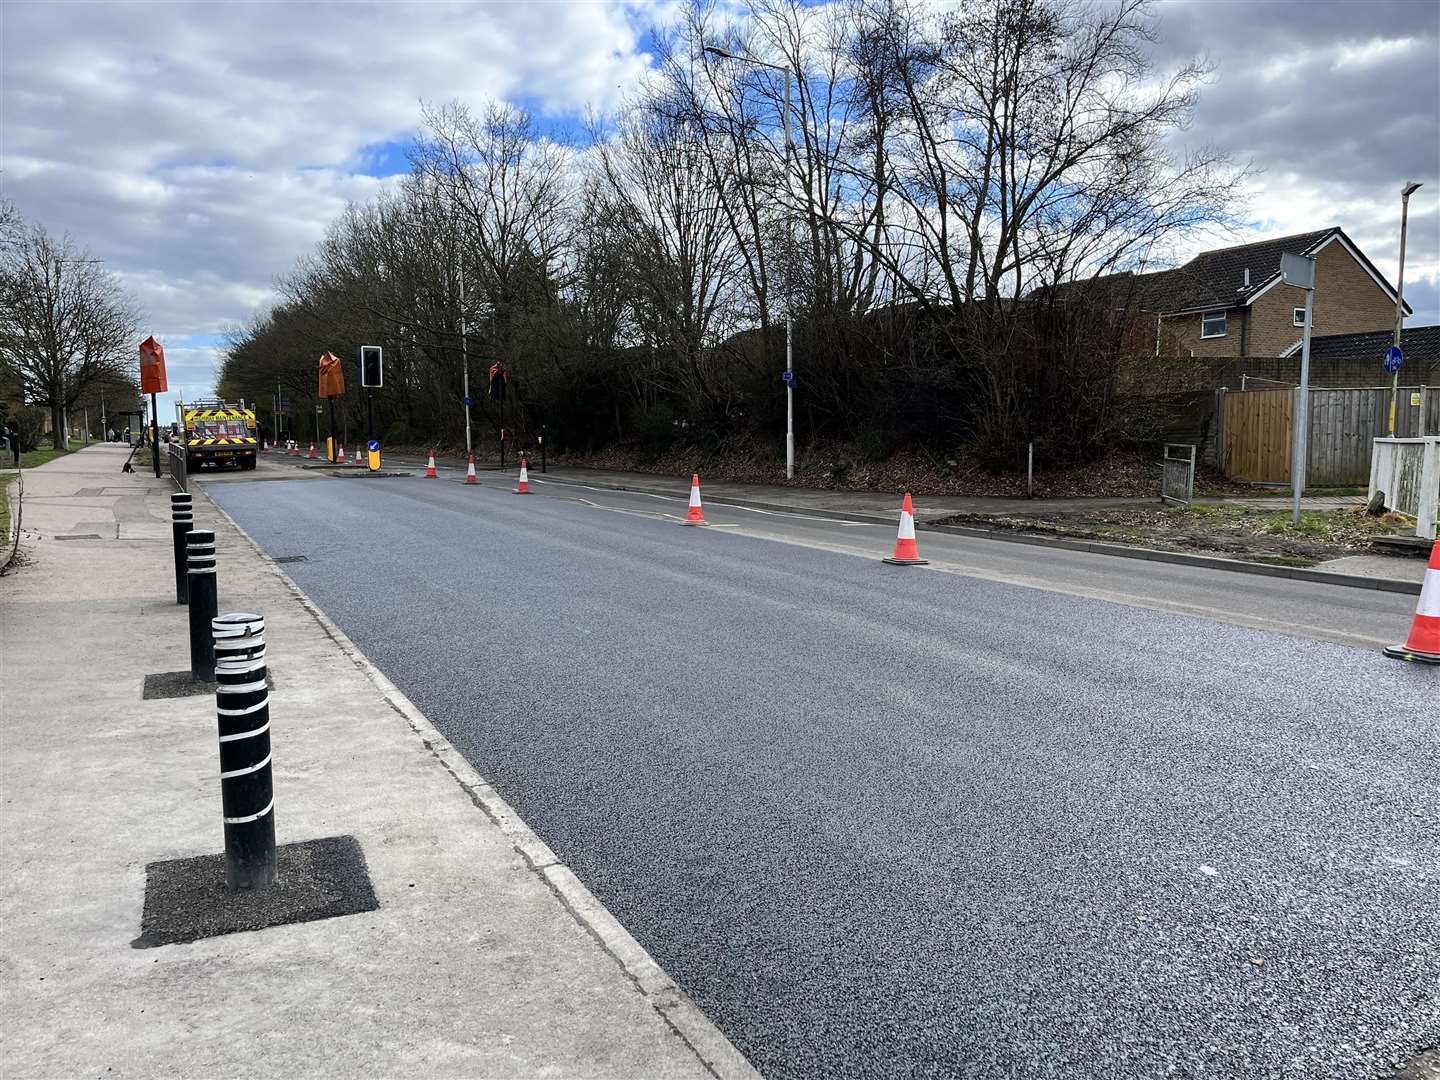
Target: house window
{"type": "Point", "coordinates": [1299, 316]}
{"type": "Point", "coordinates": [1212, 324]}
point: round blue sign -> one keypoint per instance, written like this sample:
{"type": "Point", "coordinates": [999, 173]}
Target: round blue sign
{"type": "Point", "coordinates": [1393, 359]}
{"type": "Point", "coordinates": [788, 376]}
{"type": "Point", "coordinates": [373, 446]}
{"type": "Point", "coordinates": [469, 401]}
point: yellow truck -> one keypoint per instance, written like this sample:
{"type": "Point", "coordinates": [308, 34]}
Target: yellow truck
{"type": "Point", "coordinates": [216, 433]}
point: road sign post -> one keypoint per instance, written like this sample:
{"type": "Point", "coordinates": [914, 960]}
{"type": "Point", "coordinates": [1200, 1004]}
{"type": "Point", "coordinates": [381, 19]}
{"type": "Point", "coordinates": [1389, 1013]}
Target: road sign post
{"type": "Point", "coordinates": [1299, 271]}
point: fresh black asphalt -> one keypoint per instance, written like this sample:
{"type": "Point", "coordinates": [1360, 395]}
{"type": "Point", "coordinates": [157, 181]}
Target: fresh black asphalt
{"type": "Point", "coordinates": [886, 821]}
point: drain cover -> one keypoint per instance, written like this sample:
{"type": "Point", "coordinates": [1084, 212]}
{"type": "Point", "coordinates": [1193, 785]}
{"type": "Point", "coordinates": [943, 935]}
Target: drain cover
{"type": "Point", "coordinates": [286, 558]}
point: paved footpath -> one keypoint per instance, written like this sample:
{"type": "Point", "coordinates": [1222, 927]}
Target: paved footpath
{"type": "Point", "coordinates": [485, 957]}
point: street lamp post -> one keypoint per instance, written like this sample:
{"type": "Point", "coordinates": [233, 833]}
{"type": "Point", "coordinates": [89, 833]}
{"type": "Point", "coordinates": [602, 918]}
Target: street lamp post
{"type": "Point", "coordinates": [789, 349]}
{"type": "Point", "coordinates": [1405, 193]}
{"type": "Point", "coordinates": [464, 355]}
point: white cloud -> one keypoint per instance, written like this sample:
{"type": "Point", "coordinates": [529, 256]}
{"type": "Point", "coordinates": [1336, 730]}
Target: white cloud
{"type": "Point", "coordinates": [199, 148]}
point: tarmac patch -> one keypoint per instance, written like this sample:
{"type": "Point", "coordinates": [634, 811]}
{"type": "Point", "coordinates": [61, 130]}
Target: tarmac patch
{"type": "Point", "coordinates": [173, 684]}
{"type": "Point", "coordinates": [79, 536]}
{"type": "Point", "coordinates": [186, 899]}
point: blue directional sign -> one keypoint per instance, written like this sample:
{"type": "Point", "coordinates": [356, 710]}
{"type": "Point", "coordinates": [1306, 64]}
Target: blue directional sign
{"type": "Point", "coordinates": [469, 401]}
{"type": "Point", "coordinates": [788, 377]}
{"type": "Point", "coordinates": [373, 446]}
{"type": "Point", "coordinates": [1393, 359]}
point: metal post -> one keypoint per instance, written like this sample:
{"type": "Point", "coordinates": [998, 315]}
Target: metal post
{"type": "Point", "coordinates": [789, 305]}
{"type": "Point", "coordinates": [155, 435]}
{"type": "Point", "coordinates": [200, 565]}
{"type": "Point", "coordinates": [369, 421]}
{"type": "Point", "coordinates": [465, 359]}
{"type": "Point", "coordinates": [330, 448]}
{"type": "Point", "coordinates": [542, 447]}
{"type": "Point", "coordinates": [1405, 194]}
{"type": "Point", "coordinates": [502, 425]}
{"type": "Point", "coordinates": [247, 789]}
{"type": "Point", "coordinates": [1302, 410]}
{"type": "Point", "coordinates": [182, 518]}
{"type": "Point", "coordinates": [1029, 470]}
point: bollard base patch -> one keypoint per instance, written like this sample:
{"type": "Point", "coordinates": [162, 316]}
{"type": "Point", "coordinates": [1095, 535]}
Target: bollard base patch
{"type": "Point", "coordinates": [173, 684]}
{"type": "Point", "coordinates": [186, 899]}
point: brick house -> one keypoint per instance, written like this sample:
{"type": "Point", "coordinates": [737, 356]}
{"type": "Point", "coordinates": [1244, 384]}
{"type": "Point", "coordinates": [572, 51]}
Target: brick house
{"type": "Point", "coordinates": [1231, 302]}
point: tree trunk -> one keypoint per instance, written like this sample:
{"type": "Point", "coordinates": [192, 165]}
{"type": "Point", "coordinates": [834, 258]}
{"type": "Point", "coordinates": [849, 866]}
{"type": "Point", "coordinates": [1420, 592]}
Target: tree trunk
{"type": "Point", "coordinates": [57, 426]}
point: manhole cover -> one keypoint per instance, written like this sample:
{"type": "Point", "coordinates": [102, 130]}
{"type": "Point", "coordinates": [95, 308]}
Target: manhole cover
{"type": "Point", "coordinates": [289, 558]}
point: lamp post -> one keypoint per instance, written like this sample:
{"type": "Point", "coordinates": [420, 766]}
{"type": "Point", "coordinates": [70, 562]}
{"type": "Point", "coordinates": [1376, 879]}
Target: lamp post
{"type": "Point", "coordinates": [789, 352]}
{"type": "Point", "coordinates": [1405, 193]}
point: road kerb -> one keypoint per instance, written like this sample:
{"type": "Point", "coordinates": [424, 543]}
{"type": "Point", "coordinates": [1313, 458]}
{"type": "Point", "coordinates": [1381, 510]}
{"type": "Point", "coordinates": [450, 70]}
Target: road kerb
{"type": "Point", "coordinates": [706, 1041]}
{"type": "Point", "coordinates": [1123, 551]}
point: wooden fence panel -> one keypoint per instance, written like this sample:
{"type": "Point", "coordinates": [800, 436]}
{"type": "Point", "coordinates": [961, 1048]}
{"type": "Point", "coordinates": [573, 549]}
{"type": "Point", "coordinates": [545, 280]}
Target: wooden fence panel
{"type": "Point", "coordinates": [1257, 436]}
{"type": "Point", "coordinates": [1257, 427]}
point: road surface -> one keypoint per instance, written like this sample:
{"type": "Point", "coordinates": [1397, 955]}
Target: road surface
{"type": "Point", "coordinates": [966, 820]}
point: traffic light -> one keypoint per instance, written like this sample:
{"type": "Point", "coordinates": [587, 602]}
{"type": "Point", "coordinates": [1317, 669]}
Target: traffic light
{"type": "Point", "coordinates": [372, 366]}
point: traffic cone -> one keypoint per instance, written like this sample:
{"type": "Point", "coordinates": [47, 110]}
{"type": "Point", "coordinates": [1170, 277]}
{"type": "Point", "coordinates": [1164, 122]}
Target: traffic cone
{"type": "Point", "coordinates": [430, 468]}
{"type": "Point", "coordinates": [523, 488]}
{"type": "Point", "coordinates": [358, 461]}
{"type": "Point", "coordinates": [1423, 643]}
{"type": "Point", "coordinates": [906, 553]}
{"type": "Point", "coordinates": [264, 447]}
{"type": "Point", "coordinates": [696, 513]}
{"type": "Point", "coordinates": [340, 454]}
{"type": "Point", "coordinates": [290, 448]}
{"type": "Point", "coordinates": [470, 471]}
{"type": "Point", "coordinates": [311, 455]}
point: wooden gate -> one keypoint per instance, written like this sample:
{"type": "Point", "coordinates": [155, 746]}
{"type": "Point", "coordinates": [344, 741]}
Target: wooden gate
{"type": "Point", "coordinates": [1257, 436]}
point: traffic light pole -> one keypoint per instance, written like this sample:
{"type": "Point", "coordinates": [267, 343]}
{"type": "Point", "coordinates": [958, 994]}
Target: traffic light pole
{"type": "Point", "coordinates": [155, 434]}
{"type": "Point", "coordinates": [330, 450]}
{"type": "Point", "coordinates": [370, 421]}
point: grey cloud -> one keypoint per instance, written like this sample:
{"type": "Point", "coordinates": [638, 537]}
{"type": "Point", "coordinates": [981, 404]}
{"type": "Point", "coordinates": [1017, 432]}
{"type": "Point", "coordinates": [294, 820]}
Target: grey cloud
{"type": "Point", "coordinates": [1335, 104]}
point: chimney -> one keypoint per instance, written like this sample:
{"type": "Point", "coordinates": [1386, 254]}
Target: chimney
{"type": "Point", "coordinates": [1247, 278]}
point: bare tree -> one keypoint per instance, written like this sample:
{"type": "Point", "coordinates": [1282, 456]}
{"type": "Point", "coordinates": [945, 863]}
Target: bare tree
{"type": "Point", "coordinates": [65, 324]}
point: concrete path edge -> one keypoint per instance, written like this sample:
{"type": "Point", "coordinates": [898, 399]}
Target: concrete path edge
{"type": "Point", "coordinates": [1123, 551]}
{"type": "Point", "coordinates": [675, 1007]}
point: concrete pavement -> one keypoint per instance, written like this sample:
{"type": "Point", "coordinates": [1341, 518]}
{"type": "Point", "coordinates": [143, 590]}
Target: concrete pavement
{"type": "Point", "coordinates": [485, 957]}
{"type": "Point", "coordinates": [952, 820]}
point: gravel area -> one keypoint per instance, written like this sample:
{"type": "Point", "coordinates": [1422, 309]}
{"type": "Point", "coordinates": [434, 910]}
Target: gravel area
{"type": "Point", "coordinates": [893, 822]}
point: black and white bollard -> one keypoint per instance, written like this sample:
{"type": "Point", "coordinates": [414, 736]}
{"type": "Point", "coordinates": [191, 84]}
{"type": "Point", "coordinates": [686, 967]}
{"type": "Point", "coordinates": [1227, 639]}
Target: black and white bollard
{"type": "Point", "coordinates": [182, 519]}
{"type": "Point", "coordinates": [247, 791]}
{"type": "Point", "coordinates": [200, 566]}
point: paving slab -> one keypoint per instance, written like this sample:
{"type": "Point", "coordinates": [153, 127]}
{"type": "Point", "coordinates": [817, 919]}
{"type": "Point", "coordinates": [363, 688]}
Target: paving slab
{"type": "Point", "coordinates": [483, 956]}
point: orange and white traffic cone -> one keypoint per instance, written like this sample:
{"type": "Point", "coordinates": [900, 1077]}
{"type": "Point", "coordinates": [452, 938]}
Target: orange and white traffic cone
{"type": "Point", "coordinates": [906, 553]}
{"type": "Point", "coordinates": [311, 455]}
{"type": "Point", "coordinates": [290, 448]}
{"type": "Point", "coordinates": [357, 461]}
{"type": "Point", "coordinates": [340, 454]}
{"type": "Point", "coordinates": [696, 514]}
{"type": "Point", "coordinates": [470, 471]}
{"type": "Point", "coordinates": [1423, 644]}
{"type": "Point", "coordinates": [523, 488]}
{"type": "Point", "coordinates": [430, 468]}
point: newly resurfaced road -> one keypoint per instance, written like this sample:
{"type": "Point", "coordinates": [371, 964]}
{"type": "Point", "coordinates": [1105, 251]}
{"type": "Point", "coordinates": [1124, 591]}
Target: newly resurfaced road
{"type": "Point", "coordinates": [892, 821]}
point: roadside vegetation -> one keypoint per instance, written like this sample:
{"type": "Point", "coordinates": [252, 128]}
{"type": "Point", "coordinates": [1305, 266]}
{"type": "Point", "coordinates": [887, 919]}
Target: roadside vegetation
{"type": "Point", "coordinates": [1261, 535]}
{"type": "Point", "coordinates": [634, 283]}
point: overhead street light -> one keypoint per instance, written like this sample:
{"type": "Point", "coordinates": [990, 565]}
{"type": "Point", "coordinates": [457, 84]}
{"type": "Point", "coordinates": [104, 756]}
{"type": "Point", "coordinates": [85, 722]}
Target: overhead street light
{"type": "Point", "coordinates": [789, 303]}
{"type": "Point", "coordinates": [1405, 193]}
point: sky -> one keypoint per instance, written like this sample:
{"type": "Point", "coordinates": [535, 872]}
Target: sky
{"type": "Point", "coordinates": [199, 148]}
